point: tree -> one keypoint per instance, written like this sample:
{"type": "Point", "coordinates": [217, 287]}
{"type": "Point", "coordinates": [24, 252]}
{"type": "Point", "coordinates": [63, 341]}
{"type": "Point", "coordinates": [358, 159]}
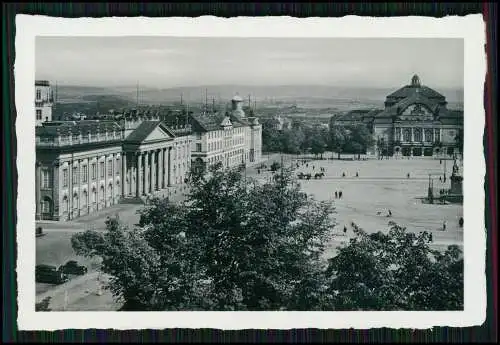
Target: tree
{"type": "Point", "coordinates": [229, 247]}
{"type": "Point", "coordinates": [395, 271]}
{"type": "Point", "coordinates": [357, 148]}
{"type": "Point", "coordinates": [43, 305]}
{"type": "Point", "coordinates": [361, 135]}
{"type": "Point", "coordinates": [318, 146]}
{"type": "Point", "coordinates": [337, 139]}
{"type": "Point", "coordinates": [239, 246]}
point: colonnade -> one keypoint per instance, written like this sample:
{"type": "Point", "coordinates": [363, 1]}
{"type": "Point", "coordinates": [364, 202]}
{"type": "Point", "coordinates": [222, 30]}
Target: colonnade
{"type": "Point", "coordinates": [146, 171]}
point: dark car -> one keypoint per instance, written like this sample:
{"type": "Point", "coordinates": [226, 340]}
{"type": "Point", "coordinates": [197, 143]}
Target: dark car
{"type": "Point", "coordinates": [72, 267]}
{"type": "Point", "coordinates": [49, 274]}
{"type": "Point", "coordinates": [39, 232]}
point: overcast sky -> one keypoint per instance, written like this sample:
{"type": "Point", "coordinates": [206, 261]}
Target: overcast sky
{"type": "Point", "coordinates": [171, 61]}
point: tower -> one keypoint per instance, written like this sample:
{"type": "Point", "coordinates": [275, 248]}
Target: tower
{"type": "Point", "coordinates": [237, 106]}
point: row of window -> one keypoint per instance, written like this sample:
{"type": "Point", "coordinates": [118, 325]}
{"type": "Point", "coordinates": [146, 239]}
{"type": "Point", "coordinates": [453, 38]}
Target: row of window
{"type": "Point", "coordinates": [219, 134]}
{"type": "Point", "coordinates": [417, 135]}
{"type": "Point", "coordinates": [93, 170]}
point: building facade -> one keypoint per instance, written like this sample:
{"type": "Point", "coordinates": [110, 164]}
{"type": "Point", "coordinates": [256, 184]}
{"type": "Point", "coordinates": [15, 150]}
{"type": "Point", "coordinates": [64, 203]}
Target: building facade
{"type": "Point", "coordinates": [82, 167]}
{"type": "Point", "coordinates": [231, 138]}
{"type": "Point", "coordinates": [43, 102]}
{"type": "Point", "coordinates": [415, 121]}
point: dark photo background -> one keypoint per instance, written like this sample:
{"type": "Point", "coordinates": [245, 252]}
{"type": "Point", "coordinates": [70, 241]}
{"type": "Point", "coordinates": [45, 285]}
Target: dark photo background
{"type": "Point", "coordinates": [487, 332]}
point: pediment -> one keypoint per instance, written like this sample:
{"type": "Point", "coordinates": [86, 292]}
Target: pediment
{"type": "Point", "coordinates": [158, 133]}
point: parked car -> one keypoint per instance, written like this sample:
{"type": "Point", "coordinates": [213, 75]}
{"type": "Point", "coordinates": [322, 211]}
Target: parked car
{"type": "Point", "coordinates": [72, 267]}
{"type": "Point", "coordinates": [50, 274]}
{"type": "Point", "coordinates": [39, 232]}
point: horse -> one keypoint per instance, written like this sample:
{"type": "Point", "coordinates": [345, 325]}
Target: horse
{"type": "Point", "coordinates": [300, 176]}
{"type": "Point", "coordinates": [318, 175]}
{"type": "Point", "coordinates": [308, 176]}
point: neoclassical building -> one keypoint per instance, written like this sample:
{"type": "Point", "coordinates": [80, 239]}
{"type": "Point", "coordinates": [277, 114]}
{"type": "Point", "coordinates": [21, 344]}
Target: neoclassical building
{"type": "Point", "coordinates": [232, 138]}
{"type": "Point", "coordinates": [85, 166]}
{"type": "Point", "coordinates": [415, 121]}
{"type": "Point", "coordinates": [43, 102]}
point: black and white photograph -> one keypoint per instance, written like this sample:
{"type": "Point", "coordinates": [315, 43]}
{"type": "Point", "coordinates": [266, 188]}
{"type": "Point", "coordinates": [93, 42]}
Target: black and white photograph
{"type": "Point", "coordinates": [224, 173]}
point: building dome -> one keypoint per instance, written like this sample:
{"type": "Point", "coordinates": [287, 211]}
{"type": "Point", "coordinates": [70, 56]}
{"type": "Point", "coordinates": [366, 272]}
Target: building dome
{"type": "Point", "coordinates": [415, 81]}
{"type": "Point", "coordinates": [237, 98]}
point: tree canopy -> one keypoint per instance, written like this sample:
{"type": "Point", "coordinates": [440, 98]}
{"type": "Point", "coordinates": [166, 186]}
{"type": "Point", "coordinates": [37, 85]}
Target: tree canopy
{"type": "Point", "coordinates": [242, 245]}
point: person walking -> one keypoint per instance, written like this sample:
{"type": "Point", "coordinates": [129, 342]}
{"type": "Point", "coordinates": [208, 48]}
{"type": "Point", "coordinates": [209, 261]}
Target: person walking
{"type": "Point", "coordinates": [345, 229]}
{"type": "Point", "coordinates": [444, 225]}
{"type": "Point", "coordinates": [340, 195]}
{"type": "Point", "coordinates": [430, 238]}
{"type": "Point", "coordinates": [336, 194]}
{"type": "Point", "coordinates": [408, 175]}
{"type": "Point", "coordinates": [389, 214]}
{"type": "Point", "coordinates": [357, 175]}
{"type": "Point", "coordinates": [461, 222]}
{"type": "Point", "coordinates": [343, 174]}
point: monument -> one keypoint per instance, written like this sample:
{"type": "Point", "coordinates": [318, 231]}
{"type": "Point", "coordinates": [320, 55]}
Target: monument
{"type": "Point", "coordinates": [455, 193]}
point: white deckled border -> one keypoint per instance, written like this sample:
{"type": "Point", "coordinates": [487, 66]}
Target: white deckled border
{"type": "Point", "coordinates": [470, 28]}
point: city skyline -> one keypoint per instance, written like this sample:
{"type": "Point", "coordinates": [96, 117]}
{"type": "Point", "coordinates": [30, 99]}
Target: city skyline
{"type": "Point", "coordinates": [170, 62]}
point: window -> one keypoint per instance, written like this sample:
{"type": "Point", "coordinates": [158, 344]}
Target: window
{"type": "Point", "coordinates": [85, 174]}
{"type": "Point", "coordinates": [117, 166]}
{"type": "Point", "coordinates": [110, 168]}
{"type": "Point", "coordinates": [101, 167]}
{"type": "Point", "coordinates": [437, 136]}
{"type": "Point", "coordinates": [45, 206]}
{"type": "Point", "coordinates": [45, 179]}
{"type": "Point", "coordinates": [428, 135]}
{"type": "Point", "coordinates": [38, 114]}
{"type": "Point", "coordinates": [198, 147]}
{"type": "Point", "coordinates": [75, 175]}
{"type": "Point", "coordinates": [417, 134]}
{"type": "Point", "coordinates": [406, 135]}
{"type": "Point", "coordinates": [38, 94]}
{"type": "Point", "coordinates": [198, 136]}
{"type": "Point", "coordinates": [65, 178]}
{"type": "Point", "coordinates": [94, 171]}
{"type": "Point", "coordinates": [94, 196]}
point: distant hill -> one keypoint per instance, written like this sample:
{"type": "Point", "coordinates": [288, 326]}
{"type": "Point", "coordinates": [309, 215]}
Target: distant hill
{"type": "Point", "coordinates": [314, 96]}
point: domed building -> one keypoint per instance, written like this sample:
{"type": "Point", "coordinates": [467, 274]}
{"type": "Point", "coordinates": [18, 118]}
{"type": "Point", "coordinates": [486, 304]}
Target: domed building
{"type": "Point", "coordinates": [415, 121]}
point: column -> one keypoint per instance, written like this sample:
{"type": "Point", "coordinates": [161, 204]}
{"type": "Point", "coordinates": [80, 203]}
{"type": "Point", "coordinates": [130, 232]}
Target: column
{"type": "Point", "coordinates": [152, 185]}
{"type": "Point", "coordinates": [79, 182]}
{"type": "Point", "coordinates": [165, 167]}
{"type": "Point", "coordinates": [132, 175]}
{"type": "Point", "coordinates": [412, 136]}
{"type": "Point", "coordinates": [98, 183]}
{"type": "Point", "coordinates": [37, 190]}
{"type": "Point", "coordinates": [124, 175]}
{"type": "Point", "coordinates": [55, 191]}
{"type": "Point", "coordinates": [139, 175]}
{"type": "Point", "coordinates": [422, 153]}
{"type": "Point", "coordinates": [70, 190]}
{"type": "Point", "coordinates": [147, 171]}
{"type": "Point", "coordinates": [160, 169]}
{"type": "Point", "coordinates": [169, 178]}
{"type": "Point", "coordinates": [105, 181]}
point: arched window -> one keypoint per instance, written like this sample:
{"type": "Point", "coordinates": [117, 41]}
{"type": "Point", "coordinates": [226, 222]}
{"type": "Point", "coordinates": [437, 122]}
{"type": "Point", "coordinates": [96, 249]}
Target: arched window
{"type": "Point", "coordinates": [406, 134]}
{"type": "Point", "coordinates": [46, 205]}
{"type": "Point", "coordinates": [84, 199]}
{"type": "Point", "coordinates": [102, 193]}
{"type": "Point", "coordinates": [75, 200]}
{"type": "Point", "coordinates": [428, 135]}
{"type": "Point", "coordinates": [94, 195]}
{"type": "Point", "coordinates": [417, 134]}
{"type": "Point", "coordinates": [65, 204]}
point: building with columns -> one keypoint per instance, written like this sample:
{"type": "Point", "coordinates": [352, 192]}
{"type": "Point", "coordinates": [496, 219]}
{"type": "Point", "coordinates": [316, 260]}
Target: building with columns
{"type": "Point", "coordinates": [43, 102]}
{"type": "Point", "coordinates": [85, 166]}
{"type": "Point", "coordinates": [415, 121]}
{"type": "Point", "coordinates": [232, 138]}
